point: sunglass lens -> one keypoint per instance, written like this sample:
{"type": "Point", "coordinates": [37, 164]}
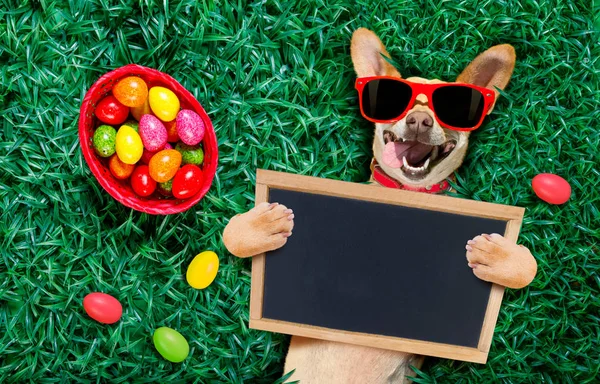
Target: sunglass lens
{"type": "Point", "coordinates": [385, 99]}
{"type": "Point", "coordinates": [458, 106]}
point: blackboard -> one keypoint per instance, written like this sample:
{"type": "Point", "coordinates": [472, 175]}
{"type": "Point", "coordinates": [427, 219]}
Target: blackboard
{"type": "Point", "coordinates": [365, 266]}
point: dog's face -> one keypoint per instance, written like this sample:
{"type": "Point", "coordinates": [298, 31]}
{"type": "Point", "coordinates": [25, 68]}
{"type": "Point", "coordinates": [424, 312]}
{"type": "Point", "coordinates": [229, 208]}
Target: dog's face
{"type": "Point", "coordinates": [416, 150]}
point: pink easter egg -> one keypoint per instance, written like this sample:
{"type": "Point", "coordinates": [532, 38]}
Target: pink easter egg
{"type": "Point", "coordinates": [190, 127]}
{"type": "Point", "coordinates": [147, 155]}
{"type": "Point", "coordinates": [153, 133]}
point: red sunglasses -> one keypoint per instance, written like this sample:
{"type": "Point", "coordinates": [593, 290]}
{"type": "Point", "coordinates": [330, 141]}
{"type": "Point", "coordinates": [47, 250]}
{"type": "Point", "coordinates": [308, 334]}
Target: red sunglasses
{"type": "Point", "coordinates": [457, 106]}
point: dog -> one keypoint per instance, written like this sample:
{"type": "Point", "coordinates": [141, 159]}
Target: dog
{"type": "Point", "coordinates": [420, 141]}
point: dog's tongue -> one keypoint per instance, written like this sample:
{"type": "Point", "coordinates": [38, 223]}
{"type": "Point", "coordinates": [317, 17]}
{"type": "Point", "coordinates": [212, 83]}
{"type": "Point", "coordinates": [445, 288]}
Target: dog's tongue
{"type": "Point", "coordinates": [413, 150]}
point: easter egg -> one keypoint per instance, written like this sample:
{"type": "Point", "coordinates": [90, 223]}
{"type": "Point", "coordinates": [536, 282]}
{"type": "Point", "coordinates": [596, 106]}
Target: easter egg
{"type": "Point", "coordinates": [171, 344]}
{"type": "Point", "coordinates": [104, 140]}
{"type": "Point", "coordinates": [187, 181]}
{"type": "Point", "coordinates": [144, 109]}
{"type": "Point", "coordinates": [164, 165]}
{"type": "Point", "coordinates": [119, 169]}
{"type": "Point", "coordinates": [172, 136]}
{"type": "Point", "coordinates": [147, 155]}
{"type": "Point", "coordinates": [164, 103]}
{"type": "Point", "coordinates": [190, 154]}
{"type": "Point", "coordinates": [102, 307]}
{"type": "Point", "coordinates": [129, 145]}
{"type": "Point", "coordinates": [110, 111]}
{"type": "Point", "coordinates": [551, 188]}
{"type": "Point", "coordinates": [133, 124]}
{"type": "Point", "coordinates": [190, 127]}
{"type": "Point", "coordinates": [141, 182]}
{"type": "Point", "coordinates": [202, 270]}
{"type": "Point", "coordinates": [166, 188]}
{"type": "Point", "coordinates": [131, 91]}
{"type": "Point", "coordinates": [153, 133]}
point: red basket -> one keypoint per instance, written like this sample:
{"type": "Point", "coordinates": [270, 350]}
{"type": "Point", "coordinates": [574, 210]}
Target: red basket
{"type": "Point", "coordinates": [121, 190]}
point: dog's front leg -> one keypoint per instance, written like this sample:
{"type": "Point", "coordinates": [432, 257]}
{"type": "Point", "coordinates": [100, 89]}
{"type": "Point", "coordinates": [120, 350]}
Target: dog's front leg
{"type": "Point", "coordinates": [494, 258]}
{"type": "Point", "coordinates": [264, 228]}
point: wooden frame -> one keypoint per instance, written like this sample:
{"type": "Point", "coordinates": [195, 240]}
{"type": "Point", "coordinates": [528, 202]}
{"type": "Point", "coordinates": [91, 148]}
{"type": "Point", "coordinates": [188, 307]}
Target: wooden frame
{"type": "Point", "coordinates": [512, 215]}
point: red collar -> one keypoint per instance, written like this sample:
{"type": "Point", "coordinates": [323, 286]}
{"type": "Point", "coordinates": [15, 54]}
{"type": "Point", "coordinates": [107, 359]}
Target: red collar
{"type": "Point", "coordinates": [387, 181]}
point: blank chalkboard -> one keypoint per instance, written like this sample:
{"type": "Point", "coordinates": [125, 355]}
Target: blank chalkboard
{"type": "Point", "coordinates": [360, 265]}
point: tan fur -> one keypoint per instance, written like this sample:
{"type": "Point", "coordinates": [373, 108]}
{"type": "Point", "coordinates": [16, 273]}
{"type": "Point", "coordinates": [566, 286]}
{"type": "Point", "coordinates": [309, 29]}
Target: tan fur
{"type": "Point", "coordinates": [492, 257]}
{"type": "Point", "coordinates": [272, 223]}
{"type": "Point", "coordinates": [501, 261]}
{"type": "Point", "coordinates": [327, 362]}
{"type": "Point", "coordinates": [490, 69]}
{"type": "Point", "coordinates": [366, 50]}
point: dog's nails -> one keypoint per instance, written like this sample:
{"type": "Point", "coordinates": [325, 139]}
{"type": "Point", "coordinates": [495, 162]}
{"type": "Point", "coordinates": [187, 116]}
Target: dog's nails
{"type": "Point", "coordinates": [488, 237]}
{"type": "Point", "coordinates": [288, 211]}
{"type": "Point", "coordinates": [473, 265]}
{"type": "Point", "coordinates": [291, 217]}
{"type": "Point", "coordinates": [468, 247]}
{"type": "Point", "coordinates": [470, 242]}
{"type": "Point", "coordinates": [287, 234]}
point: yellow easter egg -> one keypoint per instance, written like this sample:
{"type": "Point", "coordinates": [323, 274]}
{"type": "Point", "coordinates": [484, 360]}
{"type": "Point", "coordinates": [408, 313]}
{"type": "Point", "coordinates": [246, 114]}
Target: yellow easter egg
{"type": "Point", "coordinates": [129, 145]}
{"type": "Point", "coordinates": [164, 103]}
{"type": "Point", "coordinates": [202, 270]}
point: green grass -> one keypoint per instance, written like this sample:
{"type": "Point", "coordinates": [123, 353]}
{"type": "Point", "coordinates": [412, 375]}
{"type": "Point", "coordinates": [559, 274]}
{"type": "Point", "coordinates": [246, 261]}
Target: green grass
{"type": "Point", "coordinates": [276, 79]}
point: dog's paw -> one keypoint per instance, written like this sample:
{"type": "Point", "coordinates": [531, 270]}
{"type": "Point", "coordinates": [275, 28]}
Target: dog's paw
{"type": "Point", "coordinates": [264, 228]}
{"type": "Point", "coordinates": [495, 259]}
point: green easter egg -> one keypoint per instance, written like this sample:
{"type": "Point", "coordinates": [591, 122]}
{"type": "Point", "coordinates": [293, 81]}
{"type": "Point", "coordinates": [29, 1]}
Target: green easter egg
{"type": "Point", "coordinates": [171, 344]}
{"type": "Point", "coordinates": [190, 154]}
{"type": "Point", "coordinates": [166, 188]}
{"type": "Point", "coordinates": [104, 140]}
{"type": "Point", "coordinates": [133, 124]}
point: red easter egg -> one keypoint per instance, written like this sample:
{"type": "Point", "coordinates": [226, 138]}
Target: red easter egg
{"type": "Point", "coordinates": [146, 156]}
{"type": "Point", "coordinates": [110, 111]}
{"type": "Point", "coordinates": [187, 181]}
{"type": "Point", "coordinates": [551, 188]}
{"type": "Point", "coordinates": [102, 307]}
{"type": "Point", "coordinates": [172, 136]}
{"type": "Point", "coordinates": [141, 182]}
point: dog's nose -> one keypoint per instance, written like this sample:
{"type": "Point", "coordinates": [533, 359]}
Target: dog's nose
{"type": "Point", "coordinates": [419, 122]}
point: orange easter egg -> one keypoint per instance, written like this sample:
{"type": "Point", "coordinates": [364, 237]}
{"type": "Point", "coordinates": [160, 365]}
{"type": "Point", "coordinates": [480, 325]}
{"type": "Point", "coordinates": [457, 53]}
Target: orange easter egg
{"type": "Point", "coordinates": [164, 165]}
{"type": "Point", "coordinates": [131, 91]}
{"type": "Point", "coordinates": [119, 169]}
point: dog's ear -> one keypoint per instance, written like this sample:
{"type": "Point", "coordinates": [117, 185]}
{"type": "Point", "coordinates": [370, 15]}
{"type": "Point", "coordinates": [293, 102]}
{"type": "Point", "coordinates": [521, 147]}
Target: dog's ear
{"type": "Point", "coordinates": [366, 50]}
{"type": "Point", "coordinates": [491, 69]}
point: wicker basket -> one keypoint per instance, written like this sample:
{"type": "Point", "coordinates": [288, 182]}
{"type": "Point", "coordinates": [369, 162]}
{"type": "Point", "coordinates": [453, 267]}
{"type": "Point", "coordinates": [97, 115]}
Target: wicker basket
{"type": "Point", "coordinates": [121, 190]}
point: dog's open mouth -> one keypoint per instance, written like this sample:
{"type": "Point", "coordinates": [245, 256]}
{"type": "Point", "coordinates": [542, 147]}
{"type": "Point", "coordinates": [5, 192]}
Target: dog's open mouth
{"type": "Point", "coordinates": [416, 159]}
